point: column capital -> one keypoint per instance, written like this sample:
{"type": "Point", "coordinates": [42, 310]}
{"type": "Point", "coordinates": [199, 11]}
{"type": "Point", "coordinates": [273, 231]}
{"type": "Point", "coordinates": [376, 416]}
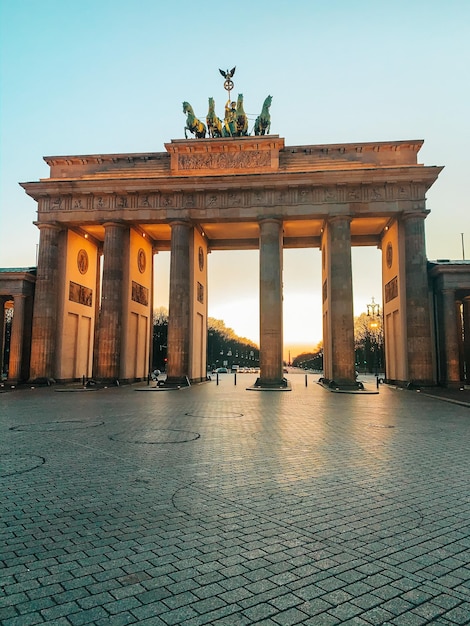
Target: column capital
{"type": "Point", "coordinates": [179, 222]}
{"type": "Point", "coordinates": [339, 218]}
{"type": "Point", "coordinates": [49, 226]}
{"type": "Point", "coordinates": [270, 219]}
{"type": "Point", "coordinates": [420, 214]}
{"type": "Point", "coordinates": [116, 223]}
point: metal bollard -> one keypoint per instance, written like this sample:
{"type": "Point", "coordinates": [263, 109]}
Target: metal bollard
{"type": "Point", "coordinates": [305, 379]}
{"type": "Point", "coordinates": [377, 381]}
{"type": "Point", "coordinates": [235, 379]}
{"type": "Point", "coordinates": [217, 377]}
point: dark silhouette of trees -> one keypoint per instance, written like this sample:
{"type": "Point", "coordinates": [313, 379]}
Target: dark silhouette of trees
{"type": "Point", "coordinates": [224, 347]}
{"type": "Point", "coordinates": [310, 360]}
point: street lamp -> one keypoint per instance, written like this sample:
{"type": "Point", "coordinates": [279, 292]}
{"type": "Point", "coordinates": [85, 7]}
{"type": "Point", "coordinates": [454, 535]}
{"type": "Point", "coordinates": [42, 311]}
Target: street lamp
{"type": "Point", "coordinates": [373, 311]}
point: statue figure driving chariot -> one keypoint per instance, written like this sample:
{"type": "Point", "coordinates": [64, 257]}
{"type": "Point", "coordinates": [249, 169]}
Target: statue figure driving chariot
{"type": "Point", "coordinates": [235, 122]}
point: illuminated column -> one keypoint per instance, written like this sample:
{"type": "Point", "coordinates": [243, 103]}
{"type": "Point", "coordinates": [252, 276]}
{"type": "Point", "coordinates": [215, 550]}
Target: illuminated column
{"type": "Point", "coordinates": [3, 299]}
{"type": "Point", "coordinates": [115, 253]}
{"type": "Point", "coordinates": [16, 340]}
{"type": "Point", "coordinates": [44, 335]}
{"type": "Point", "coordinates": [451, 342]}
{"type": "Point", "coordinates": [466, 337]}
{"type": "Point", "coordinates": [340, 301]}
{"type": "Point", "coordinates": [418, 318]}
{"type": "Point", "coordinates": [270, 288]}
{"type": "Point", "coordinates": [179, 305]}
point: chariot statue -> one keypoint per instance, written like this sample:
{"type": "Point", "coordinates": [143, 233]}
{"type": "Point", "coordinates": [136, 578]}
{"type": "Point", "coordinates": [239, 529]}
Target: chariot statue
{"type": "Point", "coordinates": [235, 121]}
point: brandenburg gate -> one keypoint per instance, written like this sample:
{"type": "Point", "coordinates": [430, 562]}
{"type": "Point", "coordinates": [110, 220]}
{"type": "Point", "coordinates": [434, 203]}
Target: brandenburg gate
{"type": "Point", "coordinates": [102, 218]}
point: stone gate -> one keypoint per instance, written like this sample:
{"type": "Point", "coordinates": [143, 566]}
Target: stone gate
{"type": "Point", "coordinates": [102, 217]}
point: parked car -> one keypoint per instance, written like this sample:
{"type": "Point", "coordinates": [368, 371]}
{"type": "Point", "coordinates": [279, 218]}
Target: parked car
{"type": "Point", "coordinates": [221, 370]}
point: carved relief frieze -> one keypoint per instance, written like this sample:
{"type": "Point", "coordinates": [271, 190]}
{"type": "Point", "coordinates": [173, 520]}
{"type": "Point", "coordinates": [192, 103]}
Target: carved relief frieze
{"type": "Point", "coordinates": [330, 194]}
{"type": "Point", "coordinates": [235, 198]}
{"type": "Point", "coordinates": [304, 195]}
{"type": "Point", "coordinates": [101, 202]}
{"type": "Point", "coordinates": [57, 203]}
{"type": "Point", "coordinates": [224, 160]}
{"type": "Point", "coordinates": [145, 201]}
{"type": "Point", "coordinates": [391, 289]}
{"type": "Point", "coordinates": [281, 197]}
{"type": "Point", "coordinates": [403, 191]}
{"type": "Point", "coordinates": [212, 200]}
{"type": "Point", "coordinates": [354, 194]}
{"type": "Point", "coordinates": [376, 193]}
{"type": "Point", "coordinates": [140, 294]}
{"type": "Point", "coordinates": [167, 200]}
{"type": "Point", "coordinates": [259, 197]}
{"type": "Point", "coordinates": [80, 294]}
{"type": "Point", "coordinates": [189, 200]}
{"type": "Point", "coordinates": [290, 196]}
{"type": "Point", "coordinates": [121, 201]}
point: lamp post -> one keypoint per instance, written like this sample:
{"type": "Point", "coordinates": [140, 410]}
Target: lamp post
{"type": "Point", "coordinates": [373, 311]}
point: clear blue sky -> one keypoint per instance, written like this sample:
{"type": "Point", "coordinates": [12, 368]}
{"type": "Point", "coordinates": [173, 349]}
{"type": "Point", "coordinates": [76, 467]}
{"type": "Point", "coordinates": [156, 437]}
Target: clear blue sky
{"type": "Point", "coordinates": [98, 76]}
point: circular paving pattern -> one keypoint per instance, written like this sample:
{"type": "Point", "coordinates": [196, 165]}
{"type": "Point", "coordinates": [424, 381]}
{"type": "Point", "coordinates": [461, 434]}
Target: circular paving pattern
{"type": "Point", "coordinates": [215, 414]}
{"type": "Point", "coordinates": [57, 425]}
{"type": "Point", "coordinates": [156, 436]}
{"type": "Point", "coordinates": [11, 464]}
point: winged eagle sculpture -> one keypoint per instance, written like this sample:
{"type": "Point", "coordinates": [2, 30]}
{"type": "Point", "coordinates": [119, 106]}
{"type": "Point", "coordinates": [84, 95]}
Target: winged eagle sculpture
{"type": "Point", "coordinates": [228, 74]}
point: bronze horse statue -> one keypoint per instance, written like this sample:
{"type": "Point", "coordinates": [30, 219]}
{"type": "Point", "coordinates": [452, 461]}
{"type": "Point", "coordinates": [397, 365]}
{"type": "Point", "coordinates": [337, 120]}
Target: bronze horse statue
{"type": "Point", "coordinates": [194, 125]}
{"type": "Point", "coordinates": [263, 121]}
{"type": "Point", "coordinates": [214, 123]}
{"type": "Point", "coordinates": [242, 120]}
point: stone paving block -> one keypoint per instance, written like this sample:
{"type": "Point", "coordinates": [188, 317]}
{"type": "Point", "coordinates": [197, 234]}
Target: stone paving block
{"type": "Point", "coordinates": [25, 620]}
{"type": "Point", "coordinates": [88, 616]}
{"type": "Point", "coordinates": [60, 610]}
{"type": "Point", "coordinates": [116, 620]}
{"type": "Point", "coordinates": [243, 517]}
{"type": "Point", "coordinates": [460, 614]}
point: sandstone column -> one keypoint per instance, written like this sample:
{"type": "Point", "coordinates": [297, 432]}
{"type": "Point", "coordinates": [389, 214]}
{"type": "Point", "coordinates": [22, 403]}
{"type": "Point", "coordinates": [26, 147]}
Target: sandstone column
{"type": "Point", "coordinates": [44, 337]}
{"type": "Point", "coordinates": [179, 323]}
{"type": "Point", "coordinates": [3, 299]}
{"type": "Point", "coordinates": [466, 337]}
{"type": "Point", "coordinates": [451, 343]}
{"type": "Point", "coordinates": [16, 340]}
{"type": "Point", "coordinates": [270, 287]}
{"type": "Point", "coordinates": [418, 318]}
{"type": "Point", "coordinates": [340, 305]}
{"type": "Point", "coordinates": [110, 319]}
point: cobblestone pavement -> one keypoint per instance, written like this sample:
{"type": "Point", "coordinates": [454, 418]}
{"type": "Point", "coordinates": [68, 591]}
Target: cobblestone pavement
{"type": "Point", "coordinates": [217, 505]}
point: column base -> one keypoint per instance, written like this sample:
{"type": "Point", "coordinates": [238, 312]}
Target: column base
{"type": "Point", "coordinates": [174, 382]}
{"type": "Point", "coordinates": [411, 384]}
{"type": "Point", "coordinates": [349, 386]}
{"type": "Point", "coordinates": [263, 384]}
{"type": "Point", "coordinates": [42, 381]}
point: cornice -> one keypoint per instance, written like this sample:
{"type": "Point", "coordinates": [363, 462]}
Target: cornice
{"type": "Point", "coordinates": [276, 180]}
